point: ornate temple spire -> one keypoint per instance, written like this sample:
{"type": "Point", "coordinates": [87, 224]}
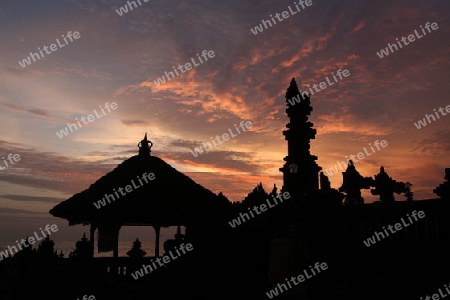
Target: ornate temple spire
{"type": "Point", "coordinates": [385, 187]}
{"type": "Point", "coordinates": [144, 148]}
{"type": "Point", "coordinates": [136, 251]}
{"type": "Point", "coordinates": [300, 172]}
{"type": "Point", "coordinates": [352, 183]}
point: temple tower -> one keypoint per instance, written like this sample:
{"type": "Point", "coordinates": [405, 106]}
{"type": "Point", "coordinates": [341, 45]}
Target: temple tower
{"type": "Point", "coordinates": [300, 170]}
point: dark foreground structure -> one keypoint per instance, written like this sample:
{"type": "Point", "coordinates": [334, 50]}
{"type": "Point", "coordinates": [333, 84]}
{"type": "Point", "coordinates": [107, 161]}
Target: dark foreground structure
{"type": "Point", "coordinates": [368, 256]}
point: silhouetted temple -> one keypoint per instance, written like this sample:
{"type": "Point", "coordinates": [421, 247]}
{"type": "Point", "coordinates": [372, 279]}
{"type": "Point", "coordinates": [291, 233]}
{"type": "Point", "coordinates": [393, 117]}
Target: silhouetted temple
{"type": "Point", "coordinates": [169, 199]}
{"type": "Point", "coordinates": [300, 172]}
{"type": "Point", "coordinates": [318, 226]}
{"type": "Point", "coordinates": [316, 223]}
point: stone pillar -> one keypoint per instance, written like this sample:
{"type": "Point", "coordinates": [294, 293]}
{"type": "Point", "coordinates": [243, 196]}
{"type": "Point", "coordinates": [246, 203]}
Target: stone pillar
{"type": "Point", "coordinates": [92, 239]}
{"type": "Point", "coordinates": [157, 232]}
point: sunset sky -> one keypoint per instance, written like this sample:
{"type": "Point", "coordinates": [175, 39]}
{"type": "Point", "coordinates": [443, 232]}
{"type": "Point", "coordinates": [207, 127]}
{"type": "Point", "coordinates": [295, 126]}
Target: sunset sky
{"type": "Point", "coordinates": [117, 58]}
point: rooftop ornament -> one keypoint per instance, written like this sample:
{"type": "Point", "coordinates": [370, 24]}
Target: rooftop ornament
{"type": "Point", "coordinates": [144, 148]}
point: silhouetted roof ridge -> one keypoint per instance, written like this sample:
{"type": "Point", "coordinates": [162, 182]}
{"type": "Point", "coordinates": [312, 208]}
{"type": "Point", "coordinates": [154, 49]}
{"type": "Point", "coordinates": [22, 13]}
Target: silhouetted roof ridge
{"type": "Point", "coordinates": [170, 189]}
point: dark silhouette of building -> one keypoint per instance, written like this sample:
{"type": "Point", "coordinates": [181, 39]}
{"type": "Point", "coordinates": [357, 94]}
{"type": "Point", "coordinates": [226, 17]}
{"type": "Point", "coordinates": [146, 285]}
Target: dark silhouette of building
{"type": "Point", "coordinates": [171, 199]}
{"type": "Point", "coordinates": [352, 183]}
{"type": "Point", "coordinates": [385, 187]}
{"type": "Point", "coordinates": [443, 190]}
{"type": "Point", "coordinates": [300, 170]}
{"type": "Point", "coordinates": [314, 224]}
{"type": "Point", "coordinates": [317, 227]}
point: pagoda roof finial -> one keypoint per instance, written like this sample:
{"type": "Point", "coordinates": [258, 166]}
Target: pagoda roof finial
{"type": "Point", "coordinates": [144, 148]}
